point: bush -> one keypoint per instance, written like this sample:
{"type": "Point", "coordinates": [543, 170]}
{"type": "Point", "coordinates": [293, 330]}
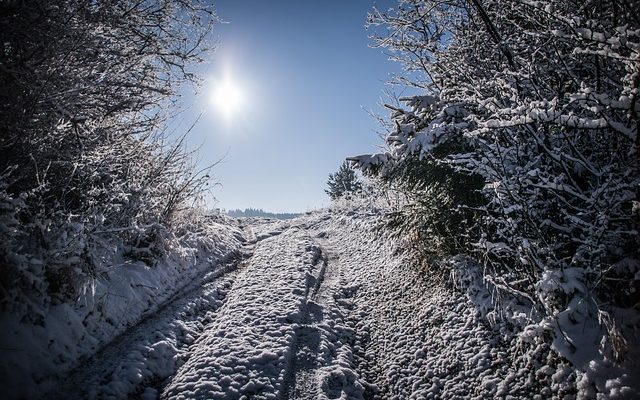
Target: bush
{"type": "Point", "coordinates": [541, 99]}
{"type": "Point", "coordinates": [84, 155]}
{"type": "Point", "coordinates": [442, 216]}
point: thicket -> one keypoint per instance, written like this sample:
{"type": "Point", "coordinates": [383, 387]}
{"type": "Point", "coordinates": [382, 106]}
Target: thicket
{"type": "Point", "coordinates": [522, 153]}
{"type": "Point", "coordinates": [87, 167]}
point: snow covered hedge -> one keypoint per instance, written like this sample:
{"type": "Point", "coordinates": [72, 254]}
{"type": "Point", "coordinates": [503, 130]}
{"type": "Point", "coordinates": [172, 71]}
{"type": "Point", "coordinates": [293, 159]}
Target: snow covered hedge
{"type": "Point", "coordinates": [96, 201]}
{"type": "Point", "coordinates": [539, 101]}
{"type": "Point", "coordinates": [84, 158]}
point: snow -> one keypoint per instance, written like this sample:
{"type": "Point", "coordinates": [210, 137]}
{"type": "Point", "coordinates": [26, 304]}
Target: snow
{"type": "Point", "coordinates": [325, 306]}
{"type": "Point", "coordinates": [35, 356]}
{"type": "Point", "coordinates": [415, 339]}
{"type": "Point", "coordinates": [246, 351]}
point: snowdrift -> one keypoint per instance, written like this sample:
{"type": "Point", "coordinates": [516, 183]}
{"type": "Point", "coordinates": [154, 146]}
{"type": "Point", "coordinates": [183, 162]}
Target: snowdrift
{"type": "Point", "coordinates": [36, 355]}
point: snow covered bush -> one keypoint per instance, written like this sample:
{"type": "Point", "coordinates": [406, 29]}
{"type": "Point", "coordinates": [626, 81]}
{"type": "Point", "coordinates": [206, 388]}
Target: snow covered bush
{"type": "Point", "coordinates": [374, 197]}
{"type": "Point", "coordinates": [440, 218]}
{"type": "Point", "coordinates": [85, 159]}
{"type": "Point", "coordinates": [541, 102]}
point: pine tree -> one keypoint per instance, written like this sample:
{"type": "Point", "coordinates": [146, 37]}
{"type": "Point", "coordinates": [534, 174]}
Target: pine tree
{"type": "Point", "coordinates": [344, 182]}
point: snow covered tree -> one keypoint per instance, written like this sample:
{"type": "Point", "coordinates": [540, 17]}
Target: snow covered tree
{"type": "Point", "coordinates": [85, 89]}
{"type": "Point", "coordinates": [543, 97]}
{"type": "Point", "coordinates": [441, 218]}
{"type": "Point", "coordinates": [344, 182]}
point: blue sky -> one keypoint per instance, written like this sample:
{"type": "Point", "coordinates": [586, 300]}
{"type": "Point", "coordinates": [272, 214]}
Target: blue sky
{"type": "Point", "coordinates": [307, 77]}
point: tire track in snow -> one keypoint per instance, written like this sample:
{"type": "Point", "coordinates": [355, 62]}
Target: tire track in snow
{"type": "Point", "coordinates": [299, 382]}
{"type": "Point", "coordinates": [139, 361]}
{"type": "Point", "coordinates": [246, 352]}
{"type": "Point", "coordinates": [322, 366]}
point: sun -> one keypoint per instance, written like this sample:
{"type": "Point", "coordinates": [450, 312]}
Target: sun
{"type": "Point", "coordinates": [227, 98]}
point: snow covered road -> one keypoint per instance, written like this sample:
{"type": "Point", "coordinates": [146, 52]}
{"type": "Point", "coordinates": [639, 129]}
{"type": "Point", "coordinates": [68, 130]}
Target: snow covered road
{"type": "Point", "coordinates": [320, 307]}
{"type": "Point", "coordinates": [264, 326]}
{"type": "Point", "coordinates": [247, 349]}
{"type": "Point", "coordinates": [279, 335]}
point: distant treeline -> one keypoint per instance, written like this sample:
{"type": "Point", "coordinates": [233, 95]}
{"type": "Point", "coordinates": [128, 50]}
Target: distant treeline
{"type": "Point", "coordinates": [258, 212]}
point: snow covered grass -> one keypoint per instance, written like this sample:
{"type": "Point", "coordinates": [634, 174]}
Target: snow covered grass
{"type": "Point", "coordinates": [138, 362]}
{"type": "Point", "coordinates": [36, 354]}
{"type": "Point", "coordinates": [416, 338]}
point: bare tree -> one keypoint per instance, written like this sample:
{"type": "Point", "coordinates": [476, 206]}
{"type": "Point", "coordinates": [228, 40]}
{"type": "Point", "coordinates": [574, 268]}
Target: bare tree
{"type": "Point", "coordinates": [86, 88]}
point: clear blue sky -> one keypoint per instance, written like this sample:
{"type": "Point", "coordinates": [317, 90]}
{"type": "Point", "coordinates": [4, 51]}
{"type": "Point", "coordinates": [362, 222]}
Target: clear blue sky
{"type": "Point", "coordinates": [307, 75]}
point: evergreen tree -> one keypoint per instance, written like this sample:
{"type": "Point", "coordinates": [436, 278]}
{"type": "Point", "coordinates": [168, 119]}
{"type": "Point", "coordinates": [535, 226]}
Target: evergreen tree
{"type": "Point", "coordinates": [344, 182]}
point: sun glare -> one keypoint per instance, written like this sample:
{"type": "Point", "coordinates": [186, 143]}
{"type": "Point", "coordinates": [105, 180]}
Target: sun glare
{"type": "Point", "coordinates": [227, 98]}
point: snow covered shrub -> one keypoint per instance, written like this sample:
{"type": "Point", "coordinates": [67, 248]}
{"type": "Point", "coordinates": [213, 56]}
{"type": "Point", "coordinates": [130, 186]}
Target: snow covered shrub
{"type": "Point", "coordinates": [441, 217]}
{"type": "Point", "coordinates": [16, 271]}
{"type": "Point", "coordinates": [84, 93]}
{"type": "Point", "coordinates": [374, 197]}
{"type": "Point", "coordinates": [544, 98]}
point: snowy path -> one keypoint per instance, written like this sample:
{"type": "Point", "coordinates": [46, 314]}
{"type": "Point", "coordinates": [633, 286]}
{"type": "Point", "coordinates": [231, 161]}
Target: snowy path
{"type": "Point", "coordinates": [269, 325]}
{"type": "Point", "coordinates": [248, 347]}
{"type": "Point", "coordinates": [283, 323]}
{"type": "Point", "coordinates": [138, 361]}
{"type": "Point", "coordinates": [321, 308]}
